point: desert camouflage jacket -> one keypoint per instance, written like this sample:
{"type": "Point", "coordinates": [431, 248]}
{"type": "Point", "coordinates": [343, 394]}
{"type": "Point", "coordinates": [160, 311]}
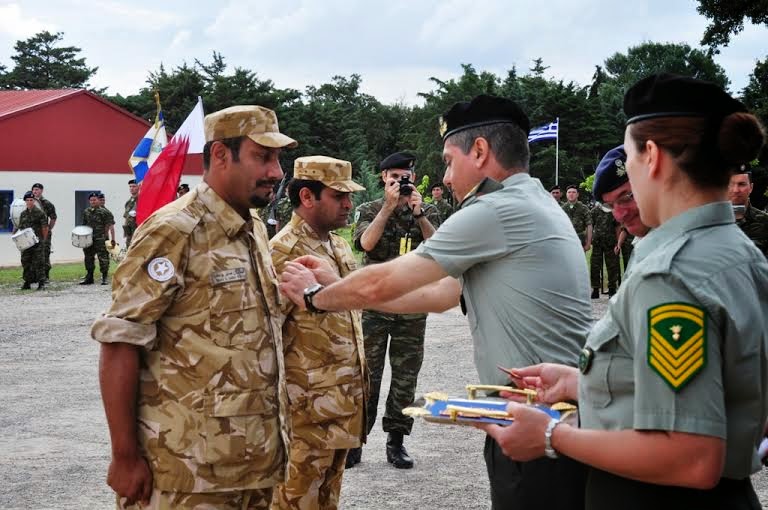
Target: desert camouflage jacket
{"type": "Point", "coordinates": [324, 353]}
{"type": "Point", "coordinates": [198, 293]}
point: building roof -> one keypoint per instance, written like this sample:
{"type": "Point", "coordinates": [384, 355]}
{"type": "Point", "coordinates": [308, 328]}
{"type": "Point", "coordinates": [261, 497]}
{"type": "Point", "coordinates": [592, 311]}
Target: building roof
{"type": "Point", "coordinates": [14, 102]}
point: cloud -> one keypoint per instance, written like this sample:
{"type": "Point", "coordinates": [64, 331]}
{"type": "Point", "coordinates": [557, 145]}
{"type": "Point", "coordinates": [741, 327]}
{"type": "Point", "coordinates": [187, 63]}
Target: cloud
{"type": "Point", "coordinates": [18, 26]}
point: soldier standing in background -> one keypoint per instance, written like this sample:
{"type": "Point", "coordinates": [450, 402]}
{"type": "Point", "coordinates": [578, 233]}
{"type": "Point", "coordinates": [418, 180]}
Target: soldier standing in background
{"type": "Point", "coordinates": [182, 190]}
{"type": "Point", "coordinates": [387, 228]}
{"type": "Point", "coordinates": [129, 216]}
{"type": "Point", "coordinates": [443, 206]}
{"type": "Point", "coordinates": [110, 218]}
{"type": "Point", "coordinates": [324, 352]}
{"type": "Point", "coordinates": [50, 211]}
{"type": "Point", "coordinates": [579, 215]}
{"type": "Point", "coordinates": [97, 218]}
{"type": "Point", "coordinates": [556, 193]}
{"type": "Point", "coordinates": [191, 369]}
{"type": "Point", "coordinates": [33, 258]}
{"type": "Point", "coordinates": [604, 248]}
{"type": "Point", "coordinates": [752, 221]}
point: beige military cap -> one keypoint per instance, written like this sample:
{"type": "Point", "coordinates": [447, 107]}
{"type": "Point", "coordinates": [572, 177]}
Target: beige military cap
{"type": "Point", "coordinates": [334, 173]}
{"type": "Point", "coordinates": [256, 122]}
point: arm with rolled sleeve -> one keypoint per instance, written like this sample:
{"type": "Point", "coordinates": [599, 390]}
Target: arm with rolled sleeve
{"type": "Point", "coordinates": [128, 327]}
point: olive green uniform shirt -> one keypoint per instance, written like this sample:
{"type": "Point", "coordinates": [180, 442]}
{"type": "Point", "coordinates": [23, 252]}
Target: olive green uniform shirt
{"type": "Point", "coordinates": [755, 225]}
{"type": "Point", "coordinates": [683, 344]}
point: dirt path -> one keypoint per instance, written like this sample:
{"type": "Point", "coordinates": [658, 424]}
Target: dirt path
{"type": "Point", "coordinates": [54, 446]}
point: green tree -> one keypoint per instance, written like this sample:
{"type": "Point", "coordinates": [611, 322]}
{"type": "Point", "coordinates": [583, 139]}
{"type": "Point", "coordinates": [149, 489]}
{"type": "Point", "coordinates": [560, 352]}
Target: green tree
{"type": "Point", "coordinates": [755, 94]}
{"type": "Point", "coordinates": [727, 18]}
{"type": "Point", "coordinates": [41, 63]}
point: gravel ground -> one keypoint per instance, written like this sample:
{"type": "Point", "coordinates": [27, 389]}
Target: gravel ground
{"type": "Point", "coordinates": [54, 446]}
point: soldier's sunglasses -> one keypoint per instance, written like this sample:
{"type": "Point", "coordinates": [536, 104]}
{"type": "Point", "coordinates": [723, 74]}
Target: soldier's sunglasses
{"type": "Point", "coordinates": [624, 200]}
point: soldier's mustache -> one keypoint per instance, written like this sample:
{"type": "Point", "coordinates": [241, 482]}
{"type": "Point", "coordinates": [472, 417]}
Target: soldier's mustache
{"type": "Point", "coordinates": [267, 182]}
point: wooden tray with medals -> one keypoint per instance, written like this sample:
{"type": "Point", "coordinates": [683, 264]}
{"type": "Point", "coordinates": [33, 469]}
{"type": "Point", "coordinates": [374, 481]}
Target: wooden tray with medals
{"type": "Point", "coordinates": [440, 408]}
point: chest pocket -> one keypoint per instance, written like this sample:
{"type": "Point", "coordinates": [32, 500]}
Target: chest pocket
{"type": "Point", "coordinates": [610, 369]}
{"type": "Point", "coordinates": [235, 314]}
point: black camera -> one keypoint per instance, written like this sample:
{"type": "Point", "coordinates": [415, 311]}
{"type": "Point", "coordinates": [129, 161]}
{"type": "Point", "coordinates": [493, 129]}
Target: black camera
{"type": "Point", "coordinates": [405, 186]}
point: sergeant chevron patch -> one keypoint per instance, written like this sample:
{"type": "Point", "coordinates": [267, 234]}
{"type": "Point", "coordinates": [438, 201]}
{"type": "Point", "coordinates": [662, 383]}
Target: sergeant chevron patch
{"type": "Point", "coordinates": [677, 342]}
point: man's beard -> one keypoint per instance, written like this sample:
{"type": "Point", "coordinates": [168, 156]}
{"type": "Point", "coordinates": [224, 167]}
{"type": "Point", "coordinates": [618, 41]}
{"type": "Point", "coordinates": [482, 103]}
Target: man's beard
{"type": "Point", "coordinates": [258, 201]}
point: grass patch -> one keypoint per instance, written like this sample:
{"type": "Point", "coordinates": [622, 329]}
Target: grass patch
{"type": "Point", "coordinates": [66, 273]}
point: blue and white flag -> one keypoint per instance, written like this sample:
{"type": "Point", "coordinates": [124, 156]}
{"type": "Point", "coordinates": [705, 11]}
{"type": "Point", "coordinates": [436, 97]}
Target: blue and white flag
{"type": "Point", "coordinates": [545, 132]}
{"type": "Point", "coordinates": [149, 148]}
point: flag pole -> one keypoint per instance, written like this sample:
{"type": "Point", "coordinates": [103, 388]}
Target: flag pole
{"type": "Point", "coordinates": [557, 150]}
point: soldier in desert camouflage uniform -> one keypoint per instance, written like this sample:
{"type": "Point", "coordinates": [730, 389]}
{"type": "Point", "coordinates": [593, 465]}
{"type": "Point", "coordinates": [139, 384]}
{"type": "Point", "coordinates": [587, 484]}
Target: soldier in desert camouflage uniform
{"type": "Point", "coordinates": [324, 352]}
{"type": "Point", "coordinates": [753, 222]}
{"type": "Point", "coordinates": [604, 249]}
{"type": "Point", "coordinates": [98, 218]}
{"type": "Point", "coordinates": [443, 206]}
{"type": "Point", "coordinates": [50, 211]}
{"type": "Point", "coordinates": [33, 258]}
{"type": "Point", "coordinates": [387, 228]}
{"type": "Point", "coordinates": [579, 215]}
{"type": "Point", "coordinates": [193, 337]}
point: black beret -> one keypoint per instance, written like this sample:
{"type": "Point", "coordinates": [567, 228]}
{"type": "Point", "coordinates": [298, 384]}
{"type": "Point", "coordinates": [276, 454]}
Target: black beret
{"type": "Point", "coordinates": [183, 187]}
{"type": "Point", "coordinates": [37, 185]}
{"type": "Point", "coordinates": [436, 185]}
{"type": "Point", "coordinates": [672, 95]}
{"type": "Point", "coordinates": [572, 186]}
{"type": "Point", "coordinates": [132, 181]}
{"type": "Point", "coordinates": [100, 194]}
{"type": "Point", "coordinates": [553, 188]}
{"type": "Point", "coordinates": [483, 111]}
{"type": "Point", "coordinates": [400, 160]}
{"type": "Point", "coordinates": [28, 194]}
{"type": "Point", "coordinates": [93, 194]}
{"type": "Point", "coordinates": [611, 172]}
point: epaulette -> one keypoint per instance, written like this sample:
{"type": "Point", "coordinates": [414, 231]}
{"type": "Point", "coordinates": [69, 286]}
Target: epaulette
{"type": "Point", "coordinates": [284, 242]}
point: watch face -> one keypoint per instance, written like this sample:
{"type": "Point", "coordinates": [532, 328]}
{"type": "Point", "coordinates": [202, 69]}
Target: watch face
{"type": "Point", "coordinates": [313, 288]}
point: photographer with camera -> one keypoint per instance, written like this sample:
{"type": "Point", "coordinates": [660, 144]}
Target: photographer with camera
{"type": "Point", "coordinates": [387, 228]}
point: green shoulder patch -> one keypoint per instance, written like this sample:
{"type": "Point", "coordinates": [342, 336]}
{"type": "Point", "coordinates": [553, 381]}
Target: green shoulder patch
{"type": "Point", "coordinates": [677, 342]}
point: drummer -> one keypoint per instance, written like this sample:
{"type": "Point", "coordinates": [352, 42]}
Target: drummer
{"type": "Point", "coordinates": [673, 384]}
{"type": "Point", "coordinates": [33, 258]}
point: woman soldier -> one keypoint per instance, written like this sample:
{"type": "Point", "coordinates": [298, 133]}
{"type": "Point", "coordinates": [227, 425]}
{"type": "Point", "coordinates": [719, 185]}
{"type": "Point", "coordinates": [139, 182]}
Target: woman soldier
{"type": "Point", "coordinates": [672, 391]}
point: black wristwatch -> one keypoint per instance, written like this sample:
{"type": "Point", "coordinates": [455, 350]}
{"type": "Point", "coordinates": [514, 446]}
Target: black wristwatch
{"type": "Point", "coordinates": [309, 293]}
{"type": "Point", "coordinates": [421, 215]}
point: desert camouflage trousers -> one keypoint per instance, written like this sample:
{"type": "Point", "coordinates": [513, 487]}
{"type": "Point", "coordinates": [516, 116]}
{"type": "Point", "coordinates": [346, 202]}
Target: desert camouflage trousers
{"type": "Point", "coordinates": [314, 480]}
{"type": "Point", "coordinates": [33, 263]}
{"type": "Point", "coordinates": [405, 335]}
{"type": "Point", "coordinates": [254, 499]}
{"type": "Point", "coordinates": [97, 249]}
{"type": "Point", "coordinates": [602, 253]}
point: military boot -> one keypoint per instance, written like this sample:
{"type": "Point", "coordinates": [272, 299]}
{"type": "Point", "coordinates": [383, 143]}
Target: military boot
{"type": "Point", "coordinates": [26, 286]}
{"type": "Point", "coordinates": [104, 279]}
{"type": "Point", "coordinates": [396, 454]}
{"type": "Point", "coordinates": [595, 293]}
{"type": "Point", "coordinates": [354, 456]}
{"type": "Point", "coordinates": [611, 291]}
{"type": "Point", "coordinates": [41, 285]}
{"type": "Point", "coordinates": [88, 280]}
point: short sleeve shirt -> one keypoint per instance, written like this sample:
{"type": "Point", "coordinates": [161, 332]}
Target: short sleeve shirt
{"type": "Point", "coordinates": [523, 274]}
{"type": "Point", "coordinates": [683, 344]}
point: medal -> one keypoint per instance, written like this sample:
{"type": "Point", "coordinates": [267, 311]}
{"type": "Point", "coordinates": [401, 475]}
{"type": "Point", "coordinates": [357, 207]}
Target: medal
{"type": "Point", "coordinates": [585, 359]}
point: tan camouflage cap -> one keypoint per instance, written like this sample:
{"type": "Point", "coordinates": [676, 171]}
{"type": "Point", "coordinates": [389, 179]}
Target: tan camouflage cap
{"type": "Point", "coordinates": [334, 173]}
{"type": "Point", "coordinates": [256, 122]}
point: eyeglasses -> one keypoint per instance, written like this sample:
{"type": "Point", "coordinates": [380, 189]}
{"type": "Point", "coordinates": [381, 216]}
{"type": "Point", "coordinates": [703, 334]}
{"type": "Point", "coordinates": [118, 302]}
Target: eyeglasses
{"type": "Point", "coordinates": [624, 200]}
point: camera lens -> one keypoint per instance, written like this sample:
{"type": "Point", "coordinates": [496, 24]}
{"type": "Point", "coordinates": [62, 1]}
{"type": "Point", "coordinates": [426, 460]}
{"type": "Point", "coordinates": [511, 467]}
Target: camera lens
{"type": "Point", "coordinates": [405, 186]}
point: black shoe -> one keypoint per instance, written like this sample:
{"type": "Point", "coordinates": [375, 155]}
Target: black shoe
{"type": "Point", "coordinates": [595, 293]}
{"type": "Point", "coordinates": [104, 279]}
{"type": "Point", "coordinates": [26, 286]}
{"type": "Point", "coordinates": [41, 285]}
{"type": "Point", "coordinates": [396, 454]}
{"type": "Point", "coordinates": [88, 281]}
{"type": "Point", "coordinates": [354, 456]}
{"type": "Point", "coordinates": [611, 292]}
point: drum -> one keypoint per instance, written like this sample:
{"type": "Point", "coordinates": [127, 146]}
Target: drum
{"type": "Point", "coordinates": [24, 239]}
{"type": "Point", "coordinates": [82, 236]}
{"type": "Point", "coordinates": [17, 207]}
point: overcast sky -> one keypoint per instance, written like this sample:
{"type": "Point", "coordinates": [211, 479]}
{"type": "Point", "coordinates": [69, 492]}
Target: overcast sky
{"type": "Point", "coordinates": [395, 45]}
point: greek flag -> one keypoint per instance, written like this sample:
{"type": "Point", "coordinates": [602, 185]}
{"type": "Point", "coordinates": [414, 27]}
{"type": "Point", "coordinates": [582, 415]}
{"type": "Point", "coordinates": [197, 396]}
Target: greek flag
{"type": "Point", "coordinates": [149, 148]}
{"type": "Point", "coordinates": [545, 132]}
